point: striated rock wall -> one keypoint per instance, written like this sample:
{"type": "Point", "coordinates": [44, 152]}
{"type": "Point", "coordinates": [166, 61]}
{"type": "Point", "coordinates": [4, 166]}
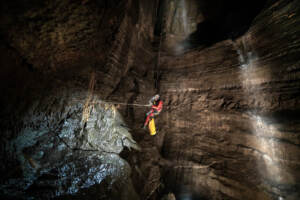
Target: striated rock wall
{"type": "Point", "coordinates": [231, 129]}
{"type": "Point", "coordinates": [179, 18]}
{"type": "Point", "coordinates": [60, 60]}
{"type": "Point", "coordinates": [230, 124]}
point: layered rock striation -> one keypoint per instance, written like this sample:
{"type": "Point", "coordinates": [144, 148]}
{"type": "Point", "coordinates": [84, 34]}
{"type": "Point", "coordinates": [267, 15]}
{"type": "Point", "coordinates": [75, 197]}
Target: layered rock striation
{"type": "Point", "coordinates": [73, 71]}
{"type": "Point", "coordinates": [64, 64]}
{"type": "Point", "coordinates": [231, 129]}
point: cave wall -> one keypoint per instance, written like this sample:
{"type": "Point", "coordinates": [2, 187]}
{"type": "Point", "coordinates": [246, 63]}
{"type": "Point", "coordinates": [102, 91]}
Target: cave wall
{"type": "Point", "coordinates": [179, 18]}
{"type": "Point", "coordinates": [60, 60]}
{"type": "Point", "coordinates": [230, 125]}
{"type": "Point", "coordinates": [189, 24]}
{"type": "Point", "coordinates": [231, 129]}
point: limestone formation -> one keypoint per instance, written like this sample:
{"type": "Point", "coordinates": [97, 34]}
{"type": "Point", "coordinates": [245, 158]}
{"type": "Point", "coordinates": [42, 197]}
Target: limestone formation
{"type": "Point", "coordinates": [72, 73]}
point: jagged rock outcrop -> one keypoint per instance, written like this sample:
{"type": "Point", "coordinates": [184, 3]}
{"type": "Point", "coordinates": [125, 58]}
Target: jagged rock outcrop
{"type": "Point", "coordinates": [57, 154]}
{"type": "Point", "coordinates": [60, 60]}
{"type": "Point", "coordinates": [72, 70]}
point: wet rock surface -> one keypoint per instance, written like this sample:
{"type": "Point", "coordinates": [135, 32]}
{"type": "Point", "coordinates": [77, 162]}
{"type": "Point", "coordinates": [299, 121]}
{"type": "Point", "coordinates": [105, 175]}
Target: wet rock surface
{"type": "Point", "coordinates": [231, 129]}
{"type": "Point", "coordinates": [199, 24]}
{"type": "Point", "coordinates": [230, 124]}
{"type": "Point", "coordinates": [58, 154]}
{"type": "Point", "coordinates": [59, 137]}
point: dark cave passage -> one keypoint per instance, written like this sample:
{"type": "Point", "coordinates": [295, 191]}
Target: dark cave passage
{"type": "Point", "coordinates": [199, 24]}
{"type": "Point", "coordinates": [76, 78]}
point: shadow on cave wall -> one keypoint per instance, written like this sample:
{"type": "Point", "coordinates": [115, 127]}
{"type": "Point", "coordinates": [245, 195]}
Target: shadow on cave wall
{"type": "Point", "coordinates": [223, 20]}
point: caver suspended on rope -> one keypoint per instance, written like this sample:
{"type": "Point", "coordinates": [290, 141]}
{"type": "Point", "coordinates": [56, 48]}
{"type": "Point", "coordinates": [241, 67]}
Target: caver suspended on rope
{"type": "Point", "coordinates": [156, 107]}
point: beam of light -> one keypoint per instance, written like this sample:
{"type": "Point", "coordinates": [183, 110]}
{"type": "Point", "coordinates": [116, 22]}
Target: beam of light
{"type": "Point", "coordinates": [182, 14]}
{"type": "Point", "coordinates": [184, 17]}
{"type": "Point", "coordinates": [268, 150]}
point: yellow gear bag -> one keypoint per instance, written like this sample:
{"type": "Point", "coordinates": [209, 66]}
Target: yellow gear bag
{"type": "Point", "coordinates": [152, 128]}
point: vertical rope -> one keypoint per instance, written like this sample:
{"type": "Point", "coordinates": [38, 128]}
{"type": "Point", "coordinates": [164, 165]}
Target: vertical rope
{"type": "Point", "coordinates": [88, 104]}
{"type": "Point", "coordinates": [156, 71]}
{"type": "Point", "coordinates": [158, 63]}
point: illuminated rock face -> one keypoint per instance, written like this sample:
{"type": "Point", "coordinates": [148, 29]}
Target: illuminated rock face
{"type": "Point", "coordinates": [49, 54]}
{"type": "Point", "coordinates": [230, 124]}
{"type": "Point", "coordinates": [231, 128]}
{"type": "Point", "coordinates": [57, 154]}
